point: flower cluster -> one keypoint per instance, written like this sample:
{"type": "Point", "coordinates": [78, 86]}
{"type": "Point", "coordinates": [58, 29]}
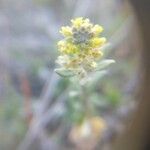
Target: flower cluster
{"type": "Point", "coordinates": [80, 50]}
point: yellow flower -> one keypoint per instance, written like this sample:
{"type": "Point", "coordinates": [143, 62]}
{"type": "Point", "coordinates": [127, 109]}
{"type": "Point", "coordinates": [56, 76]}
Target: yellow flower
{"type": "Point", "coordinates": [82, 44]}
{"type": "Point", "coordinates": [77, 22]}
{"type": "Point", "coordinates": [61, 46]}
{"type": "Point", "coordinates": [66, 31]}
{"type": "Point", "coordinates": [97, 29]}
{"type": "Point", "coordinates": [97, 42]}
{"type": "Point", "coordinates": [67, 48]}
{"type": "Point", "coordinates": [93, 64]}
{"type": "Point", "coordinates": [61, 43]}
{"type": "Point", "coordinates": [71, 49]}
{"type": "Point", "coordinates": [96, 53]}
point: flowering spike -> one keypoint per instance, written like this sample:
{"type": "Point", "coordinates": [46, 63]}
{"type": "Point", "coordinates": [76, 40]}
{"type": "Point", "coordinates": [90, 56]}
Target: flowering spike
{"type": "Point", "coordinates": [80, 50]}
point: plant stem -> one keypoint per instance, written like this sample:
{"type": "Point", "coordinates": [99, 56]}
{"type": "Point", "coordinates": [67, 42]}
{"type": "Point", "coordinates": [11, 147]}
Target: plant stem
{"type": "Point", "coordinates": [86, 103]}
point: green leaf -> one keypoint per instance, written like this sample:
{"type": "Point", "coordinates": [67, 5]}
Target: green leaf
{"type": "Point", "coordinates": [106, 47]}
{"type": "Point", "coordinates": [104, 63]}
{"type": "Point", "coordinates": [64, 72]}
{"type": "Point", "coordinates": [96, 77]}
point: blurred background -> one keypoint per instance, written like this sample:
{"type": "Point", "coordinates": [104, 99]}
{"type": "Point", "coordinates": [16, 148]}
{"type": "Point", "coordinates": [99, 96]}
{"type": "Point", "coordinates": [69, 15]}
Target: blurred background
{"type": "Point", "coordinates": [32, 96]}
